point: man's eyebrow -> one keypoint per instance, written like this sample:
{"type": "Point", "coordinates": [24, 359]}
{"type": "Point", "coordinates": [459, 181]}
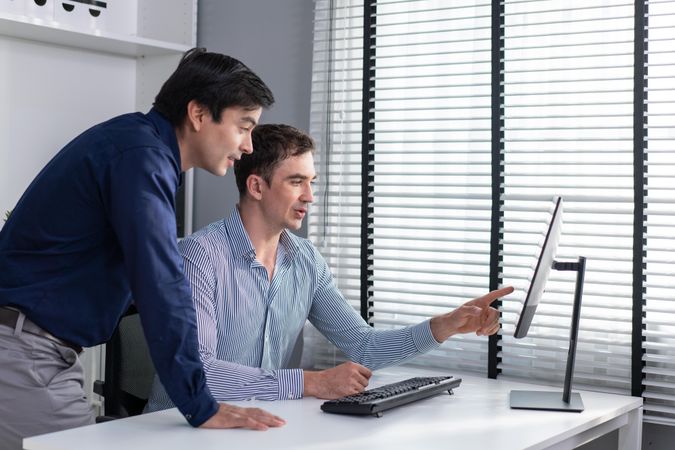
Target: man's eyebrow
{"type": "Point", "coordinates": [299, 176]}
{"type": "Point", "coordinates": [250, 120]}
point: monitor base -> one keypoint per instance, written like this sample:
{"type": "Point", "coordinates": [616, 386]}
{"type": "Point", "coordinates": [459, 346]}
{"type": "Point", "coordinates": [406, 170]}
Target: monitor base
{"type": "Point", "coordinates": [546, 400]}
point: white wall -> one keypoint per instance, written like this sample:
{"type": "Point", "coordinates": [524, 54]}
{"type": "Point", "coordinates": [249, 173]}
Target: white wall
{"type": "Point", "coordinates": [48, 95]}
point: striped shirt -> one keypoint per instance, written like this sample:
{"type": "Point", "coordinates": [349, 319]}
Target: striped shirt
{"type": "Point", "coordinates": [248, 325]}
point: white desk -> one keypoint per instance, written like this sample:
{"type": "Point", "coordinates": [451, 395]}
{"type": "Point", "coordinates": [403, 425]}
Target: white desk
{"type": "Point", "coordinates": [477, 416]}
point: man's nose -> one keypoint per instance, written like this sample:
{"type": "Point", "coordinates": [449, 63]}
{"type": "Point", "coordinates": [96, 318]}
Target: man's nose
{"type": "Point", "coordinates": [247, 145]}
{"type": "Point", "coordinates": [308, 195]}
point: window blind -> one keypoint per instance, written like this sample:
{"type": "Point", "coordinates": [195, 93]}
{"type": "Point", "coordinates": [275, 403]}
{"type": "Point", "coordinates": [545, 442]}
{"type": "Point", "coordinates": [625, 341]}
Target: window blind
{"type": "Point", "coordinates": [431, 167]}
{"type": "Point", "coordinates": [430, 151]}
{"type": "Point", "coordinates": [430, 192]}
{"type": "Point", "coordinates": [334, 223]}
{"type": "Point", "coordinates": [568, 118]}
{"type": "Point", "coordinates": [659, 230]}
{"type": "Point", "coordinates": [571, 123]}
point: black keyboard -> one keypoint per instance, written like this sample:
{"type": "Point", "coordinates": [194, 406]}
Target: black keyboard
{"type": "Point", "coordinates": [374, 401]}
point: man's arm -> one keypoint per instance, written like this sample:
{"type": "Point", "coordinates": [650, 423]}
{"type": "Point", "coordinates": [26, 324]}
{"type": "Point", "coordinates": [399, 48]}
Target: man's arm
{"type": "Point", "coordinates": [343, 326]}
{"type": "Point", "coordinates": [340, 323]}
{"type": "Point", "coordinates": [139, 194]}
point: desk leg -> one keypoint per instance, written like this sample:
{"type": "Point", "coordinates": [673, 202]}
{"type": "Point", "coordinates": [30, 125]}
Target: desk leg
{"type": "Point", "coordinates": [630, 435]}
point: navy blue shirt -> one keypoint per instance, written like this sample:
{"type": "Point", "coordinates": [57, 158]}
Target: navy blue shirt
{"type": "Point", "coordinates": [96, 227]}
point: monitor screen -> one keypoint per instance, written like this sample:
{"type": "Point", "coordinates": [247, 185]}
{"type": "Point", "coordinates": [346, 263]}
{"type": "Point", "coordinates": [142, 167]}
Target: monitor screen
{"type": "Point", "coordinates": [544, 264]}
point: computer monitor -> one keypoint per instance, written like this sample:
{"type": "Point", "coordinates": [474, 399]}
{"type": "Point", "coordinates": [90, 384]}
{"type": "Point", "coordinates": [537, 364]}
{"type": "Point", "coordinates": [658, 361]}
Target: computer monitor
{"type": "Point", "coordinates": [545, 400]}
{"type": "Point", "coordinates": [545, 262]}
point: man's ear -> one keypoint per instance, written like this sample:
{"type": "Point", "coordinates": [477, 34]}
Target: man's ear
{"type": "Point", "coordinates": [254, 186]}
{"type": "Point", "coordinates": [196, 115]}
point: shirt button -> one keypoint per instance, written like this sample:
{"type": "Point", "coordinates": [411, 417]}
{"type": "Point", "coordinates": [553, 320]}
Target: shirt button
{"type": "Point", "coordinates": [188, 416]}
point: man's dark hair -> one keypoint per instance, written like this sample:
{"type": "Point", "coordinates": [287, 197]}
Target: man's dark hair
{"type": "Point", "coordinates": [213, 80]}
{"type": "Point", "coordinates": [272, 143]}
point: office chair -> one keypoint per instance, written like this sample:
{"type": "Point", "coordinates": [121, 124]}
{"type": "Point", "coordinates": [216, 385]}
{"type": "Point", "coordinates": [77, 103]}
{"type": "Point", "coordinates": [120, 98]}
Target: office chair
{"type": "Point", "coordinates": [128, 370]}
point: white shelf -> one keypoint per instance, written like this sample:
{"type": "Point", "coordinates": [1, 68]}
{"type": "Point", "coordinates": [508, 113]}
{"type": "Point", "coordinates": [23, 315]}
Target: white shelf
{"type": "Point", "coordinates": [51, 32]}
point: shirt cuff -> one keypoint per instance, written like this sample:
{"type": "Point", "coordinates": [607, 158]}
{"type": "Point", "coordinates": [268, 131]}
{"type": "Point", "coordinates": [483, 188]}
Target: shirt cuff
{"type": "Point", "coordinates": [200, 409]}
{"type": "Point", "coordinates": [423, 338]}
{"type": "Point", "coordinates": [291, 383]}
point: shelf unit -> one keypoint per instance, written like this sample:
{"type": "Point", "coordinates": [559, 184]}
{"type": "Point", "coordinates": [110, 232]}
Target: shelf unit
{"type": "Point", "coordinates": [32, 29]}
{"type": "Point", "coordinates": [160, 27]}
{"type": "Point", "coordinates": [58, 79]}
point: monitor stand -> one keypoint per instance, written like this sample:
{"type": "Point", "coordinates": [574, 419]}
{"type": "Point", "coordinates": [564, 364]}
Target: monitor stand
{"type": "Point", "coordinates": [554, 401]}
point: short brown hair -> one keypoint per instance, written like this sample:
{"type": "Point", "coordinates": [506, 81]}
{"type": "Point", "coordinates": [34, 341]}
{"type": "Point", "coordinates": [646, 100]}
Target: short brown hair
{"type": "Point", "coordinates": [272, 143]}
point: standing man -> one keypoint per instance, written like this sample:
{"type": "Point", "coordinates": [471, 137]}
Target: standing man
{"type": "Point", "coordinates": [254, 284]}
{"type": "Point", "coordinates": [97, 228]}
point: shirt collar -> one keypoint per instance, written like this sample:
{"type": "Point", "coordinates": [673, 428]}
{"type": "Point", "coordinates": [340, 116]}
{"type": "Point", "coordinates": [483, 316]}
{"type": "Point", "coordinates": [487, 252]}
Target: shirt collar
{"type": "Point", "coordinates": [241, 244]}
{"type": "Point", "coordinates": [290, 243]}
{"type": "Point", "coordinates": [239, 241]}
{"type": "Point", "coordinates": [166, 132]}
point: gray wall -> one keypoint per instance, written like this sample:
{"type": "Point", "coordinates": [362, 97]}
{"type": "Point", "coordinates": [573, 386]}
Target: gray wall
{"type": "Point", "coordinates": [273, 38]}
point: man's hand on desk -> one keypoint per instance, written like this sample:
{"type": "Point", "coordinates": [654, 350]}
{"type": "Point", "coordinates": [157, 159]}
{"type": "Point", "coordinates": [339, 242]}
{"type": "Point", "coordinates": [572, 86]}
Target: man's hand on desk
{"type": "Point", "coordinates": [346, 379]}
{"type": "Point", "coordinates": [475, 316]}
{"type": "Point", "coordinates": [229, 416]}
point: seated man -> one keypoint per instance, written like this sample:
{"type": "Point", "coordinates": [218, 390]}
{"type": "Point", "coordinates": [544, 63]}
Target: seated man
{"type": "Point", "coordinates": [254, 284]}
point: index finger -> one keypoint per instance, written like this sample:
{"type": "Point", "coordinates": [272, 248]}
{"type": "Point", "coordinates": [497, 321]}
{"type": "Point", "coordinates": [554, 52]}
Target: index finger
{"type": "Point", "coordinates": [491, 296]}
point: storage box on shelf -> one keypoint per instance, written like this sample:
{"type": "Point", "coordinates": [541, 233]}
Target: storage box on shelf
{"type": "Point", "coordinates": [40, 9]}
{"type": "Point", "coordinates": [127, 27]}
{"type": "Point", "coordinates": [14, 7]}
{"type": "Point", "coordinates": [114, 16]}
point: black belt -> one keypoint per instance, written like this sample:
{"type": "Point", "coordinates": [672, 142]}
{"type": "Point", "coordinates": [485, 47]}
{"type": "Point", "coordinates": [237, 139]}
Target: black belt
{"type": "Point", "coordinates": [9, 317]}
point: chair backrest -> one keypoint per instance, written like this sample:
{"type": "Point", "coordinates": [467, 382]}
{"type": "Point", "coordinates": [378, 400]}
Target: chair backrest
{"type": "Point", "coordinates": [128, 369]}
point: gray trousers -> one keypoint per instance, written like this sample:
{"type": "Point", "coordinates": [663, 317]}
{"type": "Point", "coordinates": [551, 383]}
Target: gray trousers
{"type": "Point", "coordinates": [41, 387]}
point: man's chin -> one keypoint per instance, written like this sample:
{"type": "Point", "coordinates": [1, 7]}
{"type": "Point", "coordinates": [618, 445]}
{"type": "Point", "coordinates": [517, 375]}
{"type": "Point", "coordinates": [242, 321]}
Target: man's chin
{"type": "Point", "coordinates": [295, 225]}
{"type": "Point", "coordinates": [222, 169]}
{"type": "Point", "coordinates": [219, 172]}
